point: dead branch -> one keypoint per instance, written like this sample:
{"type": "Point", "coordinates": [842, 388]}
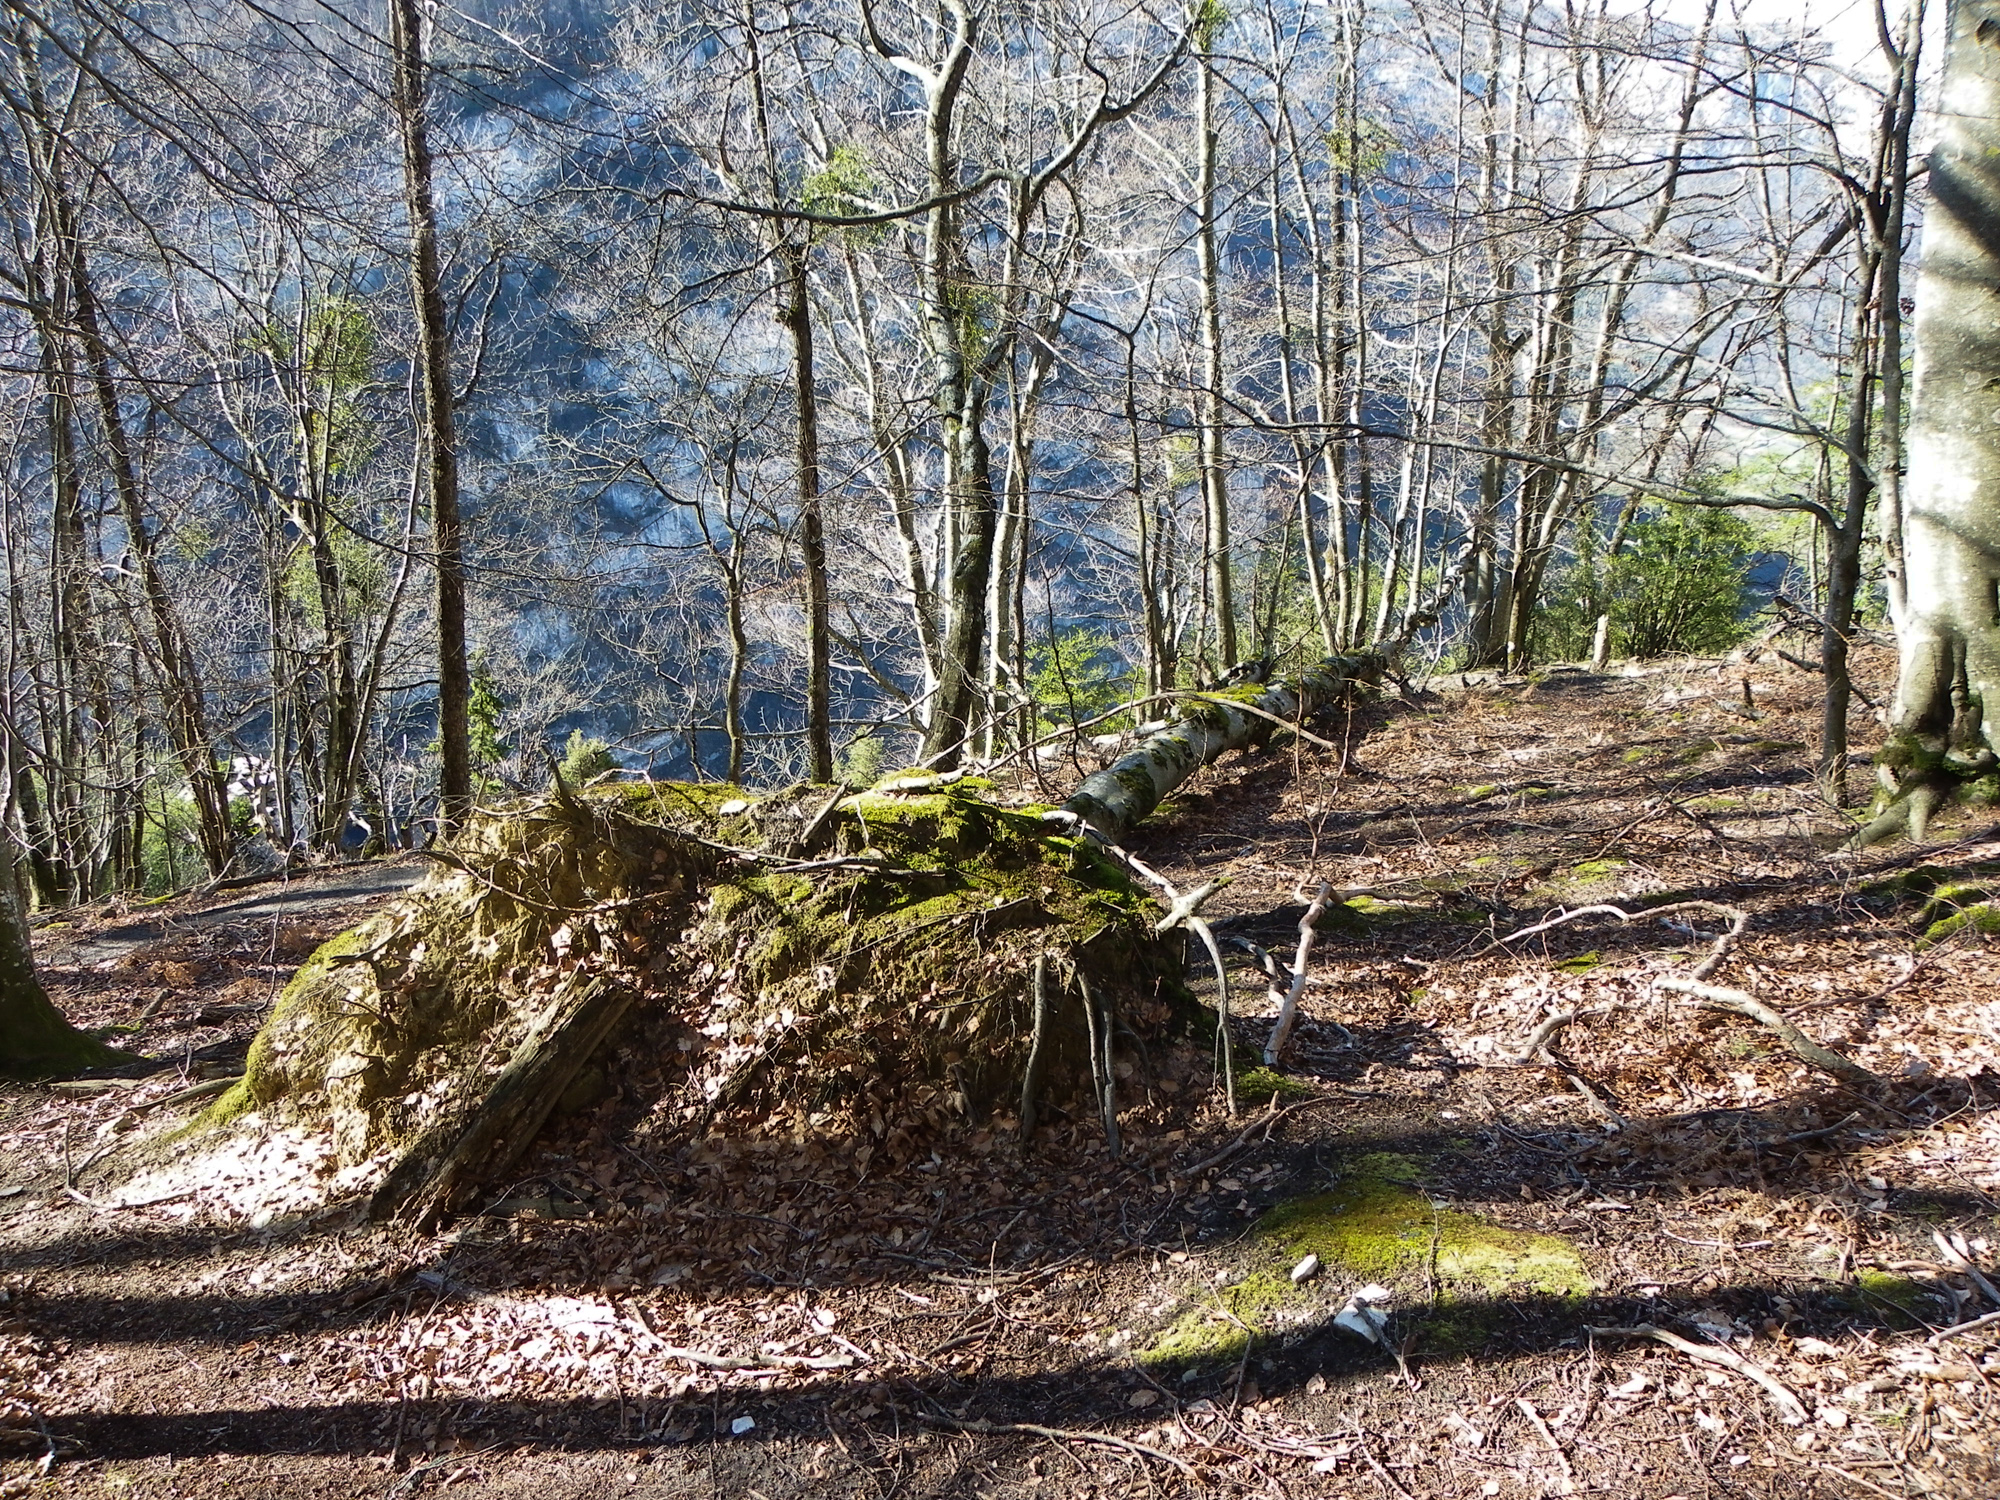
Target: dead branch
{"type": "Point", "coordinates": [1264, 1122]}
{"type": "Point", "coordinates": [1711, 997]}
{"type": "Point", "coordinates": [1542, 1429]}
{"type": "Point", "coordinates": [1281, 1033]}
{"type": "Point", "coordinates": [1961, 1328]}
{"type": "Point", "coordinates": [1535, 1048]}
{"type": "Point", "coordinates": [761, 1362]}
{"type": "Point", "coordinates": [1736, 1002]}
{"type": "Point", "coordinates": [1031, 1076]}
{"type": "Point", "coordinates": [1388, 1479]}
{"type": "Point", "coordinates": [1207, 936]}
{"type": "Point", "coordinates": [1714, 1354]}
{"type": "Point", "coordinates": [1065, 1435]}
{"type": "Point", "coordinates": [808, 838]}
{"type": "Point", "coordinates": [1105, 1080]}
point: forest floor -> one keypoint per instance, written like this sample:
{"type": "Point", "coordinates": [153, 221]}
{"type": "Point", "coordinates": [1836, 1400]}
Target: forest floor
{"type": "Point", "coordinates": [975, 1323]}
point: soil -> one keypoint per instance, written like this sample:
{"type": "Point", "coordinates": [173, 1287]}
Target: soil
{"type": "Point", "coordinates": [752, 1316]}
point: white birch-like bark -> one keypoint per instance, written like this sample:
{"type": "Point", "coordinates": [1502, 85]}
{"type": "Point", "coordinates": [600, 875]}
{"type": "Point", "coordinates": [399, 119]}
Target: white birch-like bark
{"type": "Point", "coordinates": [1949, 688]}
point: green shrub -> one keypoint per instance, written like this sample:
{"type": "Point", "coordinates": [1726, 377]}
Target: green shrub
{"type": "Point", "coordinates": [1680, 586]}
{"type": "Point", "coordinates": [1076, 676]}
{"type": "Point", "coordinates": [584, 758]}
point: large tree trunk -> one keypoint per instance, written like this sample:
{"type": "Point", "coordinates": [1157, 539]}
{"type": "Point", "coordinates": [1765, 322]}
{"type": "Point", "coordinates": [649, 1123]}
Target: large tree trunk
{"type": "Point", "coordinates": [35, 1041]}
{"type": "Point", "coordinates": [1942, 726]}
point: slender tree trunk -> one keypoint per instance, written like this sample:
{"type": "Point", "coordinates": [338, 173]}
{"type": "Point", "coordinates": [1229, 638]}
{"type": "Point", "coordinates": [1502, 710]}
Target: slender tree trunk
{"type": "Point", "coordinates": [812, 519]}
{"type": "Point", "coordinates": [1209, 456]}
{"type": "Point", "coordinates": [437, 422]}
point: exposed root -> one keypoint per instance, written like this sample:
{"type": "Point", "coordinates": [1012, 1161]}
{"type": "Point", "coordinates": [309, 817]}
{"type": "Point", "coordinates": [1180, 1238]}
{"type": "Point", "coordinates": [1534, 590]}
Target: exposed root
{"type": "Point", "coordinates": [1911, 809]}
{"type": "Point", "coordinates": [1695, 984]}
{"type": "Point", "coordinates": [881, 989]}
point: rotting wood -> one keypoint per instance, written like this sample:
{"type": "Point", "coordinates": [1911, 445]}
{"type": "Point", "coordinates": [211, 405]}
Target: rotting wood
{"type": "Point", "coordinates": [453, 1157]}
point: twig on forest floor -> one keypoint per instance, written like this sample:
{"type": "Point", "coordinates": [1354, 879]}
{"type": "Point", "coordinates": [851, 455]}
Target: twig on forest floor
{"type": "Point", "coordinates": [1063, 1435]}
{"type": "Point", "coordinates": [1958, 1328]}
{"type": "Point", "coordinates": [1388, 1479]}
{"type": "Point", "coordinates": [759, 1362]}
{"type": "Point", "coordinates": [1542, 1428]}
{"type": "Point", "coordinates": [1693, 984]}
{"type": "Point", "coordinates": [1535, 1048]}
{"type": "Point", "coordinates": [1713, 1354]}
{"type": "Point", "coordinates": [1288, 1008]}
{"type": "Point", "coordinates": [1739, 1002]}
{"type": "Point", "coordinates": [1265, 1122]}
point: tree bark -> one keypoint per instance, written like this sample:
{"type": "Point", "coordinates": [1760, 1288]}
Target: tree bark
{"type": "Point", "coordinates": [437, 419]}
{"type": "Point", "coordinates": [35, 1041]}
{"type": "Point", "coordinates": [1114, 799]}
{"type": "Point", "coordinates": [1948, 690]}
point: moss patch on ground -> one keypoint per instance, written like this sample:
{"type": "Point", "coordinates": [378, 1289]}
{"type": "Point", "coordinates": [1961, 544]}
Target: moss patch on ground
{"type": "Point", "coordinates": [1375, 1224]}
{"type": "Point", "coordinates": [1255, 1084]}
{"type": "Point", "coordinates": [1897, 1300]}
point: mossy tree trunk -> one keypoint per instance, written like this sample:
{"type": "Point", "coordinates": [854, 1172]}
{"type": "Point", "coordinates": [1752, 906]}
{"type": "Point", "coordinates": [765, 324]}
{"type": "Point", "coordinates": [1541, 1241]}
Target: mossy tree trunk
{"type": "Point", "coordinates": [1941, 729]}
{"type": "Point", "coordinates": [1116, 798]}
{"type": "Point", "coordinates": [35, 1040]}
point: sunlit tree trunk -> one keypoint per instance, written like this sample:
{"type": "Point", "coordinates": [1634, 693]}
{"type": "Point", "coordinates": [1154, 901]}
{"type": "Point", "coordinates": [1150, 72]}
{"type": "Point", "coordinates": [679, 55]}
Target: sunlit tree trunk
{"type": "Point", "coordinates": [35, 1041]}
{"type": "Point", "coordinates": [1948, 691]}
{"type": "Point", "coordinates": [438, 421]}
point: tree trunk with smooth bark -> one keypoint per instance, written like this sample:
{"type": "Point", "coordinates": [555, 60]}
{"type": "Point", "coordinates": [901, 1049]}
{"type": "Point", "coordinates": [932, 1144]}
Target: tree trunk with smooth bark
{"type": "Point", "coordinates": [1942, 726]}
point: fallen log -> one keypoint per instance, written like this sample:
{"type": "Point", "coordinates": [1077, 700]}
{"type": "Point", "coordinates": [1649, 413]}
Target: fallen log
{"type": "Point", "coordinates": [1115, 799]}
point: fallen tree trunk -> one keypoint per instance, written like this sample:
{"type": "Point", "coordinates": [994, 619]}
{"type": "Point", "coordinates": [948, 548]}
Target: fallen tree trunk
{"type": "Point", "coordinates": [449, 1162]}
{"type": "Point", "coordinates": [1115, 799]}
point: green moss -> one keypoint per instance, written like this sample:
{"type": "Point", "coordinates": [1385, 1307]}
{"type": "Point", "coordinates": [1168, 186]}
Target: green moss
{"type": "Point", "coordinates": [1899, 1301]}
{"type": "Point", "coordinates": [1581, 963]}
{"type": "Point", "coordinates": [1478, 793]}
{"type": "Point", "coordinates": [1596, 869]}
{"type": "Point", "coordinates": [897, 982]}
{"type": "Point", "coordinates": [1636, 753]}
{"type": "Point", "coordinates": [1984, 917]}
{"type": "Point", "coordinates": [1375, 1225]}
{"type": "Point", "coordinates": [1256, 1084]}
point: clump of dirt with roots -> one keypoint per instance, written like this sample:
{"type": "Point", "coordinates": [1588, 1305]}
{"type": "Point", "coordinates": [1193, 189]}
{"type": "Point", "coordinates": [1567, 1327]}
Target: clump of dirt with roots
{"type": "Point", "coordinates": [811, 962]}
